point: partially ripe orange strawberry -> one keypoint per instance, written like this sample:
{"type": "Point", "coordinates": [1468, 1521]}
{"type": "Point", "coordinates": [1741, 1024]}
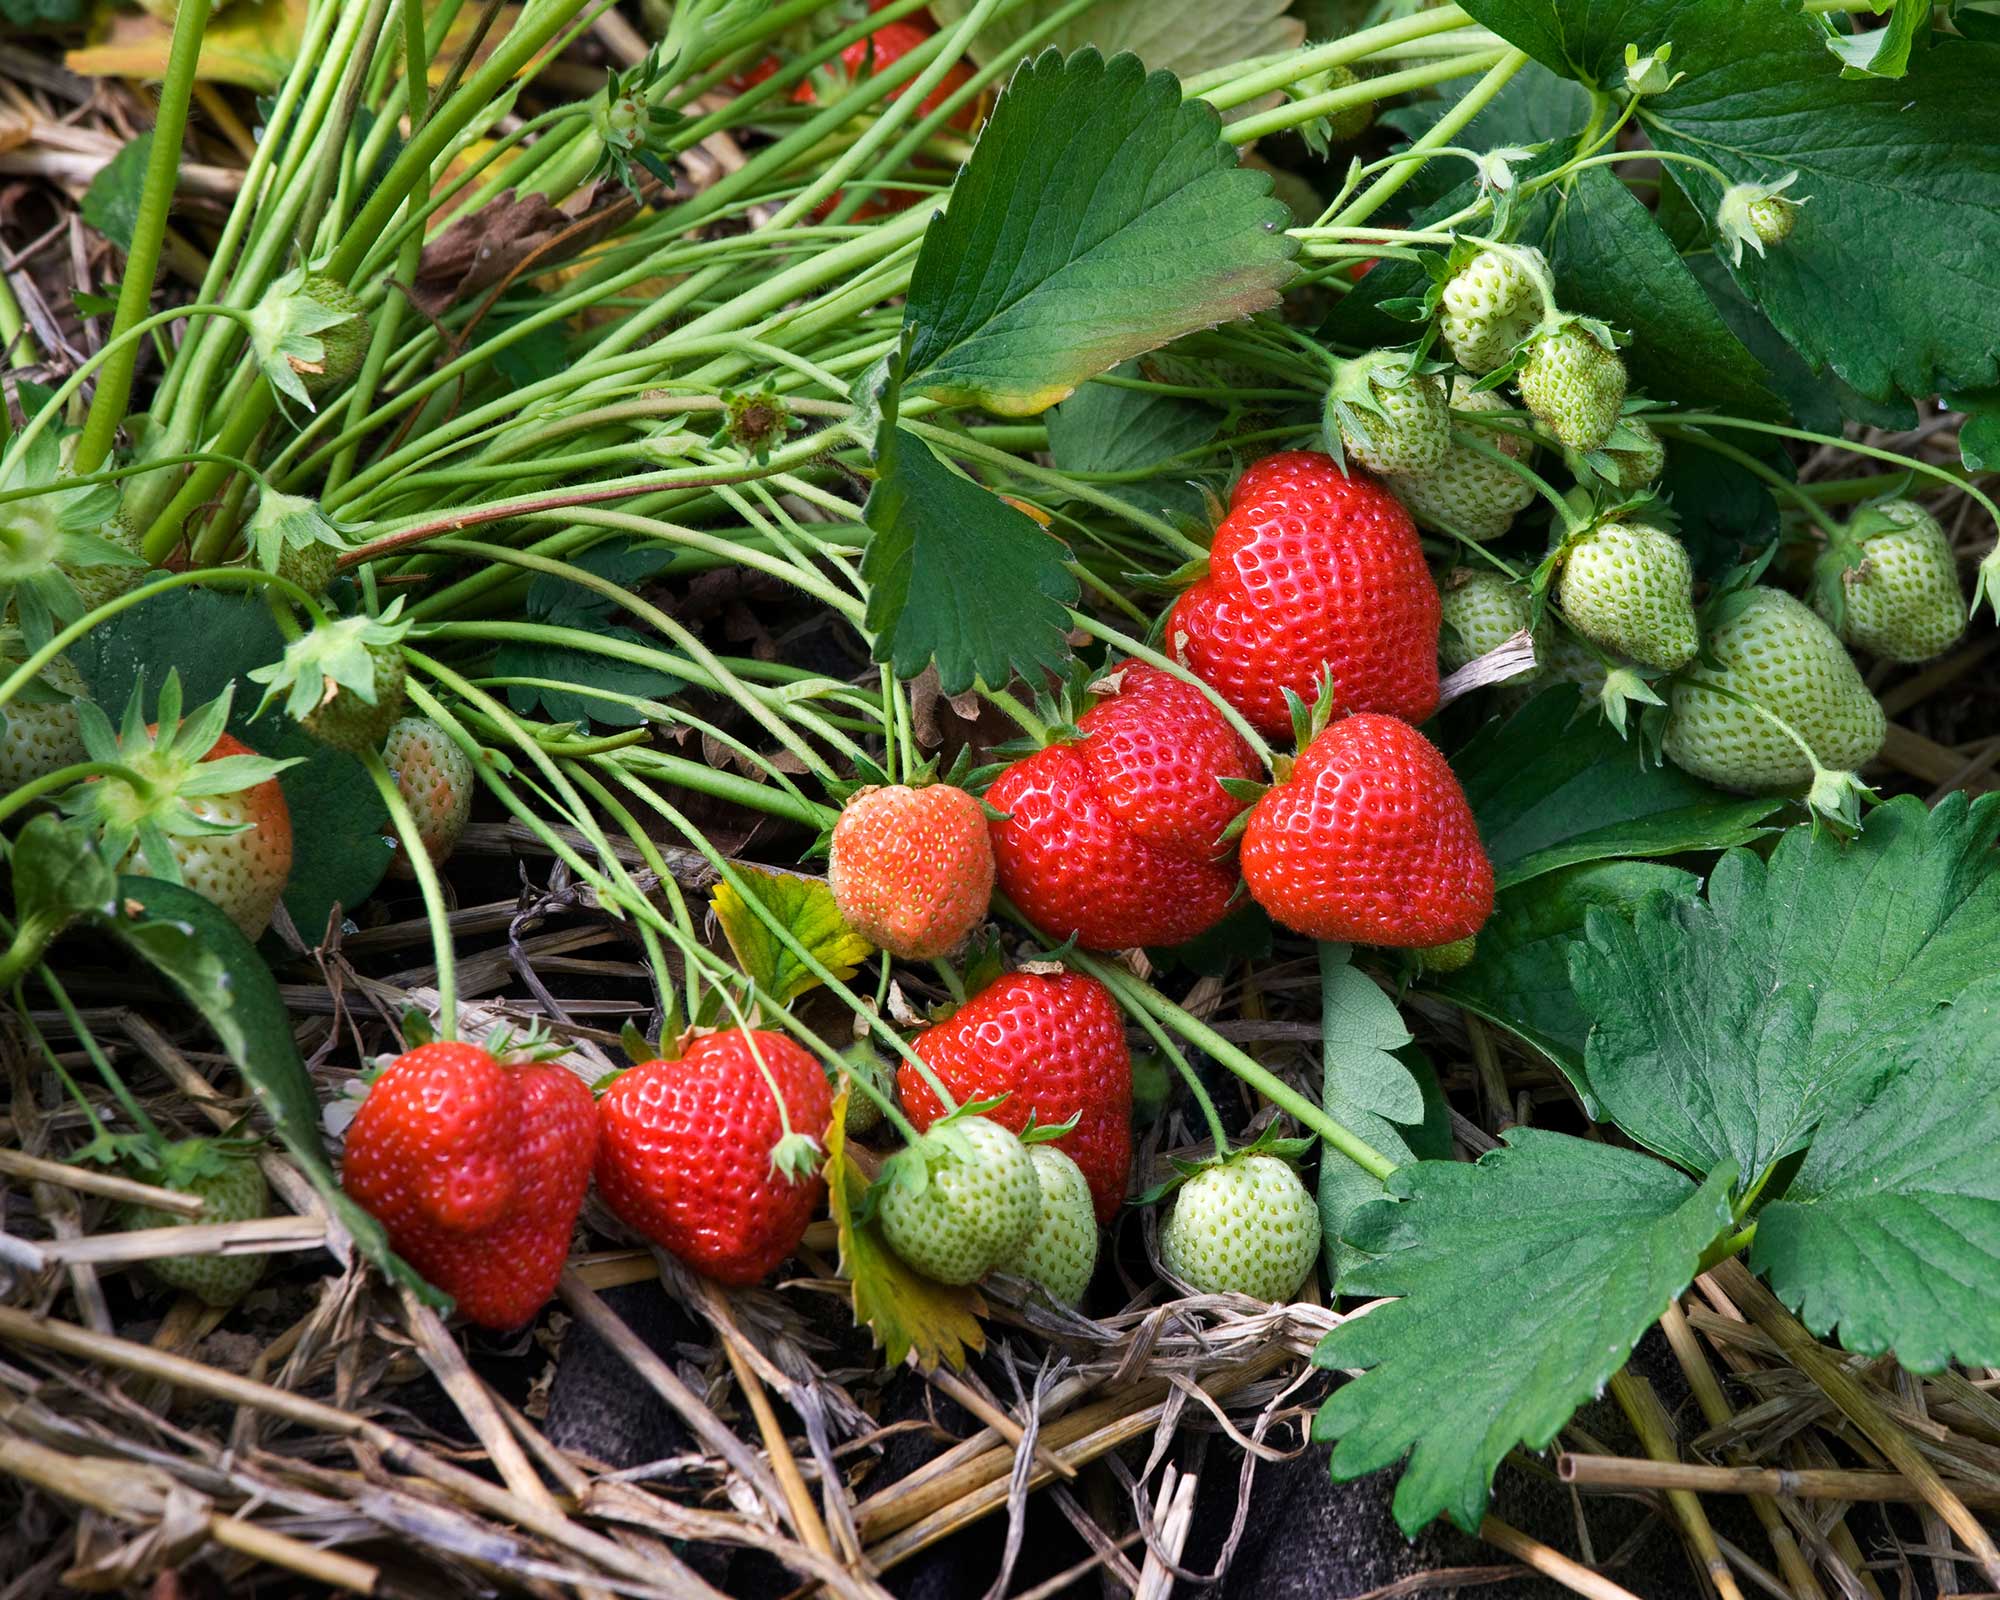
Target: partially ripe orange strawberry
{"type": "Point", "coordinates": [912, 869]}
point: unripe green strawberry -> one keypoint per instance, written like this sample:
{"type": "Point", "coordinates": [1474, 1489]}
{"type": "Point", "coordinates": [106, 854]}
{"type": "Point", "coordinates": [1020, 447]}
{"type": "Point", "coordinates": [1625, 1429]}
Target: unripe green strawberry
{"type": "Point", "coordinates": [1773, 218]}
{"type": "Point", "coordinates": [961, 1201]}
{"type": "Point", "coordinates": [96, 585]}
{"type": "Point", "coordinates": [345, 721]}
{"type": "Point", "coordinates": [1061, 1250]}
{"type": "Point", "coordinates": [1453, 957]}
{"type": "Point", "coordinates": [865, 1061]}
{"type": "Point", "coordinates": [345, 343]}
{"type": "Point", "coordinates": [1772, 649]}
{"type": "Point", "coordinates": [1342, 127]}
{"type": "Point", "coordinates": [310, 566]}
{"type": "Point", "coordinates": [1245, 1227]}
{"type": "Point", "coordinates": [1574, 383]}
{"type": "Point", "coordinates": [232, 1189]}
{"type": "Point", "coordinates": [1901, 596]}
{"type": "Point", "coordinates": [1388, 418]}
{"type": "Point", "coordinates": [1482, 611]}
{"type": "Point", "coordinates": [1489, 306]}
{"type": "Point", "coordinates": [41, 735]}
{"type": "Point", "coordinates": [1630, 588]}
{"type": "Point", "coordinates": [1468, 493]}
{"type": "Point", "coordinates": [1636, 466]}
{"type": "Point", "coordinates": [1565, 658]}
{"type": "Point", "coordinates": [435, 780]}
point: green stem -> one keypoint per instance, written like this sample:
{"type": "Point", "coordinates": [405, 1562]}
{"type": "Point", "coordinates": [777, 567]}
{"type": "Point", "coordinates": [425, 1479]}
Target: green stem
{"type": "Point", "coordinates": [1367, 92]}
{"type": "Point", "coordinates": [1188, 1076]}
{"type": "Point", "coordinates": [1443, 132]}
{"type": "Point", "coordinates": [149, 230]}
{"type": "Point", "coordinates": [246, 577]}
{"type": "Point", "coordinates": [1141, 996]}
{"type": "Point", "coordinates": [435, 911]}
{"type": "Point", "coordinates": [82, 772]}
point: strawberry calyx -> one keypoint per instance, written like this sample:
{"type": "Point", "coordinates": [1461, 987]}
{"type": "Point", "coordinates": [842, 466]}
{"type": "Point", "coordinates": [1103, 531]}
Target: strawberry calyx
{"type": "Point", "coordinates": [288, 530]}
{"type": "Point", "coordinates": [336, 658]}
{"type": "Point", "coordinates": [286, 328]}
{"type": "Point", "coordinates": [797, 1157]}
{"type": "Point", "coordinates": [1757, 215]}
{"type": "Point", "coordinates": [1269, 1141]}
{"type": "Point", "coordinates": [170, 759]}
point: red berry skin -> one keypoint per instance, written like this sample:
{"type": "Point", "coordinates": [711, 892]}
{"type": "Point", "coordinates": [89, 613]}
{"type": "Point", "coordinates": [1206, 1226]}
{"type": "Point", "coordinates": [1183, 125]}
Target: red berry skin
{"type": "Point", "coordinates": [1312, 569]}
{"type": "Point", "coordinates": [912, 869]}
{"type": "Point", "coordinates": [1158, 748]}
{"type": "Point", "coordinates": [1054, 1045]}
{"type": "Point", "coordinates": [1370, 841]}
{"type": "Point", "coordinates": [886, 46]}
{"type": "Point", "coordinates": [1063, 856]}
{"type": "Point", "coordinates": [477, 1170]}
{"type": "Point", "coordinates": [1117, 839]}
{"type": "Point", "coordinates": [684, 1155]}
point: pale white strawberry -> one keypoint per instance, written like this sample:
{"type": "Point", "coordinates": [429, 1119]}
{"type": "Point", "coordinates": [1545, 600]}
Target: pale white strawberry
{"type": "Point", "coordinates": [42, 734]}
{"type": "Point", "coordinates": [1468, 493]}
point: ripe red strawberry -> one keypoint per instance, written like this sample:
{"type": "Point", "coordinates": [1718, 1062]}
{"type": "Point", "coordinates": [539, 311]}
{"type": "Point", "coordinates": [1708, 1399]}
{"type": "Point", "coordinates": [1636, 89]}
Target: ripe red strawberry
{"type": "Point", "coordinates": [478, 1170]}
{"type": "Point", "coordinates": [1054, 1045]}
{"type": "Point", "coordinates": [691, 1152]}
{"type": "Point", "coordinates": [1115, 840]}
{"type": "Point", "coordinates": [435, 780]}
{"type": "Point", "coordinates": [886, 46]}
{"type": "Point", "coordinates": [1312, 569]}
{"type": "Point", "coordinates": [1159, 748]}
{"type": "Point", "coordinates": [912, 869]}
{"type": "Point", "coordinates": [1370, 841]}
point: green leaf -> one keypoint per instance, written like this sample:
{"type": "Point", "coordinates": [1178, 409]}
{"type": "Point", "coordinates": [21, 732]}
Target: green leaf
{"type": "Point", "coordinates": [1525, 1279]}
{"type": "Point", "coordinates": [1891, 1229]}
{"type": "Point", "coordinates": [1519, 978]}
{"type": "Point", "coordinates": [1611, 261]}
{"type": "Point", "coordinates": [1108, 428]}
{"type": "Point", "coordinates": [1723, 1028]}
{"type": "Point", "coordinates": [559, 665]}
{"type": "Point", "coordinates": [1979, 434]}
{"type": "Point", "coordinates": [111, 203]}
{"type": "Point", "coordinates": [805, 906]}
{"type": "Point", "coordinates": [1180, 36]}
{"type": "Point", "coordinates": [213, 639]}
{"type": "Point", "coordinates": [1343, 1187]}
{"type": "Point", "coordinates": [1901, 178]}
{"type": "Point", "coordinates": [1551, 788]}
{"type": "Point", "coordinates": [1393, 1103]}
{"type": "Point", "coordinates": [1100, 216]}
{"type": "Point", "coordinates": [1534, 108]}
{"type": "Point", "coordinates": [58, 874]}
{"type": "Point", "coordinates": [1360, 1030]}
{"type": "Point", "coordinates": [1882, 52]}
{"type": "Point", "coordinates": [197, 949]}
{"type": "Point", "coordinates": [30, 13]}
{"type": "Point", "coordinates": [956, 573]}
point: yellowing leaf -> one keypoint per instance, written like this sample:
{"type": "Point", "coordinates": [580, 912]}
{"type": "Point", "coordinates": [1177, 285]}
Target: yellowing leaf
{"type": "Point", "coordinates": [251, 43]}
{"type": "Point", "coordinates": [903, 1309]}
{"type": "Point", "coordinates": [805, 907]}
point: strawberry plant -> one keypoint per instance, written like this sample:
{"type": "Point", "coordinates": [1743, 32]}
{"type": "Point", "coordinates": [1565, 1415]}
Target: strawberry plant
{"type": "Point", "coordinates": [1198, 682]}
